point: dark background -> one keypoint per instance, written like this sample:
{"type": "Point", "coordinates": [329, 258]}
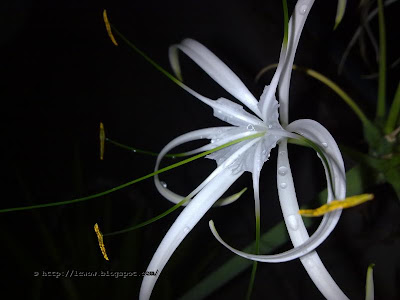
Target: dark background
{"type": "Point", "coordinates": [62, 76]}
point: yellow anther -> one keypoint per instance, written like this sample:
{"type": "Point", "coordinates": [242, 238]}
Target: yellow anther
{"type": "Point", "coordinates": [336, 204]}
{"type": "Point", "coordinates": [100, 239]}
{"type": "Point", "coordinates": [108, 27]}
{"type": "Point", "coordinates": [102, 140]}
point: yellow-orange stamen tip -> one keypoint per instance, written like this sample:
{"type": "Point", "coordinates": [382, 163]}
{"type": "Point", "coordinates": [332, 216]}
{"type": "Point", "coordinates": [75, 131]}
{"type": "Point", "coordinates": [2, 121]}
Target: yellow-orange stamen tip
{"type": "Point", "coordinates": [108, 27]}
{"type": "Point", "coordinates": [102, 140]}
{"type": "Point", "coordinates": [101, 242]}
{"type": "Point", "coordinates": [336, 204]}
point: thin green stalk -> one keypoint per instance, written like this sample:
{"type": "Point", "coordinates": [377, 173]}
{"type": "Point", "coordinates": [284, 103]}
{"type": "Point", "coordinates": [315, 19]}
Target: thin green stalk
{"type": "Point", "coordinates": [136, 150]}
{"type": "Point", "coordinates": [168, 211]}
{"type": "Point", "coordinates": [325, 80]}
{"type": "Point", "coordinates": [342, 94]}
{"type": "Point", "coordinates": [393, 117]}
{"type": "Point", "coordinates": [141, 53]}
{"type": "Point", "coordinates": [369, 284]}
{"type": "Point", "coordinates": [255, 263]}
{"type": "Point", "coordinates": [324, 161]}
{"type": "Point", "coordinates": [381, 105]}
{"type": "Point", "coordinates": [341, 8]}
{"type": "Point", "coordinates": [190, 159]}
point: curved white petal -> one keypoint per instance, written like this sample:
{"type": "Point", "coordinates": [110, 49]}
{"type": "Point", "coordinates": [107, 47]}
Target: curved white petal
{"type": "Point", "coordinates": [221, 136]}
{"type": "Point", "coordinates": [303, 245]}
{"type": "Point", "coordinates": [234, 114]}
{"type": "Point", "coordinates": [297, 231]}
{"type": "Point", "coordinates": [226, 110]}
{"type": "Point", "coordinates": [216, 69]}
{"type": "Point", "coordinates": [268, 97]}
{"type": "Point", "coordinates": [268, 103]}
{"type": "Point", "coordinates": [296, 25]}
{"type": "Point", "coordinates": [184, 224]}
{"type": "Point", "coordinates": [208, 133]}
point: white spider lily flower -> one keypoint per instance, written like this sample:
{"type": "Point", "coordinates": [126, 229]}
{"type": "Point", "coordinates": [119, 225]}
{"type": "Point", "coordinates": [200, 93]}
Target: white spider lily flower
{"type": "Point", "coordinates": [250, 155]}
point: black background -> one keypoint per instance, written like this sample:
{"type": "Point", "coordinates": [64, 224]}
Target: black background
{"type": "Point", "coordinates": [62, 76]}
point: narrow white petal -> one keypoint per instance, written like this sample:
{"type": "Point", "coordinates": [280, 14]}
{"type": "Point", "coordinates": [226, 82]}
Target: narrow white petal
{"type": "Point", "coordinates": [303, 245]}
{"type": "Point", "coordinates": [217, 70]}
{"type": "Point", "coordinates": [208, 133]}
{"type": "Point", "coordinates": [268, 97]}
{"type": "Point", "coordinates": [298, 233]}
{"type": "Point", "coordinates": [234, 114]}
{"type": "Point", "coordinates": [268, 104]}
{"type": "Point", "coordinates": [296, 25]}
{"type": "Point", "coordinates": [184, 224]}
{"type": "Point", "coordinates": [226, 110]}
{"type": "Point", "coordinates": [317, 133]}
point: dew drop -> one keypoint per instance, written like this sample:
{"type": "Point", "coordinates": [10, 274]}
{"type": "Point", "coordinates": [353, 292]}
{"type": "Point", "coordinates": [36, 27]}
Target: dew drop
{"type": "Point", "coordinates": [164, 184]}
{"type": "Point", "coordinates": [282, 171]}
{"type": "Point", "coordinates": [212, 141]}
{"type": "Point", "coordinates": [186, 230]}
{"type": "Point", "coordinates": [250, 127]}
{"type": "Point", "coordinates": [292, 222]}
{"type": "Point", "coordinates": [303, 9]}
{"type": "Point", "coordinates": [283, 185]}
{"type": "Point", "coordinates": [325, 145]}
{"type": "Point", "coordinates": [269, 126]}
{"type": "Point", "coordinates": [282, 152]}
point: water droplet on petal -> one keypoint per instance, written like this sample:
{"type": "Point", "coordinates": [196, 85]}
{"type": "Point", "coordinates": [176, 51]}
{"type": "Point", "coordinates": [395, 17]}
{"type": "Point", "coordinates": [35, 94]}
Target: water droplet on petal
{"type": "Point", "coordinates": [282, 171]}
{"type": "Point", "coordinates": [269, 126]}
{"type": "Point", "coordinates": [164, 184]}
{"type": "Point", "coordinates": [291, 221]}
{"type": "Point", "coordinates": [186, 229]}
{"type": "Point", "coordinates": [283, 185]}
{"type": "Point", "coordinates": [282, 152]}
{"type": "Point", "coordinates": [302, 9]}
{"type": "Point", "coordinates": [212, 141]}
{"type": "Point", "coordinates": [250, 127]}
{"type": "Point", "coordinates": [325, 145]}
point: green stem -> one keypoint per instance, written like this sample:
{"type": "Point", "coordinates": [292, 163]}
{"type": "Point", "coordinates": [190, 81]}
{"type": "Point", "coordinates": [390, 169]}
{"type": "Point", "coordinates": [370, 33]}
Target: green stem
{"type": "Point", "coordinates": [342, 94]}
{"type": "Point", "coordinates": [168, 211]}
{"type": "Point", "coordinates": [381, 105]}
{"type": "Point", "coordinates": [394, 112]}
{"type": "Point", "coordinates": [141, 53]}
{"type": "Point", "coordinates": [255, 263]}
{"type": "Point", "coordinates": [143, 151]}
{"type": "Point", "coordinates": [190, 159]}
{"type": "Point", "coordinates": [341, 7]}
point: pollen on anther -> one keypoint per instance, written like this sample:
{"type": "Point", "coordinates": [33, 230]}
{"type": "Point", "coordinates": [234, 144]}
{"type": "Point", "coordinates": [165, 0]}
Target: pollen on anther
{"type": "Point", "coordinates": [101, 242]}
{"type": "Point", "coordinates": [108, 28]}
